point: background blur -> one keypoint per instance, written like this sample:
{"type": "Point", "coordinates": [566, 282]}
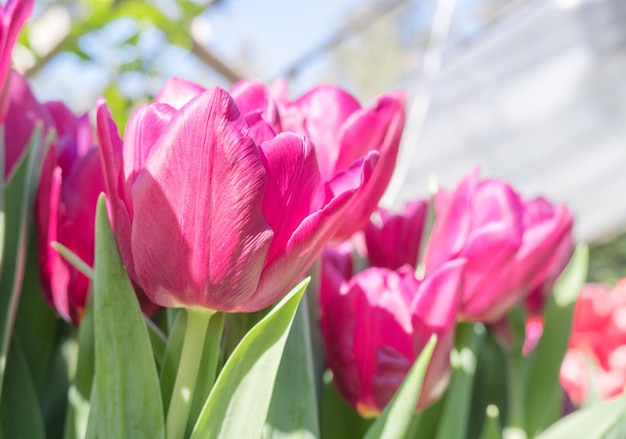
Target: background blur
{"type": "Point", "coordinates": [532, 91]}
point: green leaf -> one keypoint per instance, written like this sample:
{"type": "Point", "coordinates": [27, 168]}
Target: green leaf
{"type": "Point", "coordinates": [604, 420]}
{"type": "Point", "coordinates": [19, 410]}
{"type": "Point", "coordinates": [36, 323]}
{"type": "Point", "coordinates": [238, 404]}
{"type": "Point", "coordinates": [79, 392]}
{"type": "Point", "coordinates": [171, 357]}
{"type": "Point", "coordinates": [395, 421]}
{"type": "Point", "coordinates": [18, 198]}
{"type": "Point", "coordinates": [129, 400]}
{"type": "Point", "coordinates": [543, 386]}
{"type": "Point", "coordinates": [293, 409]}
{"type": "Point", "coordinates": [453, 423]}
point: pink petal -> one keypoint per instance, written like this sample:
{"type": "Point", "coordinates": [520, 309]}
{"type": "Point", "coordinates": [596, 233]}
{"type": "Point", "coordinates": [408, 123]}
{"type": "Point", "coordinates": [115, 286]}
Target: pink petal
{"type": "Point", "coordinates": [144, 128]}
{"type": "Point", "coordinates": [293, 187]}
{"type": "Point", "coordinates": [308, 240]}
{"type": "Point", "coordinates": [199, 236]}
{"type": "Point", "coordinates": [177, 92]}
{"type": "Point", "coordinates": [319, 114]}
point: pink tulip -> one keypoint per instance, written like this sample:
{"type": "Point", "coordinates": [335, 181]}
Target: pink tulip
{"type": "Point", "coordinates": [12, 18]}
{"type": "Point", "coordinates": [204, 216]}
{"type": "Point", "coordinates": [342, 131]}
{"type": "Point", "coordinates": [71, 180]}
{"type": "Point", "coordinates": [595, 362]}
{"type": "Point", "coordinates": [23, 114]}
{"type": "Point", "coordinates": [394, 239]}
{"type": "Point", "coordinates": [511, 246]}
{"type": "Point", "coordinates": [376, 324]}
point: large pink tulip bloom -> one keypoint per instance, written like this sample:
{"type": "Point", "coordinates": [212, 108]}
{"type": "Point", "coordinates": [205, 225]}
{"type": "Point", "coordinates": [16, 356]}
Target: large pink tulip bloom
{"type": "Point", "coordinates": [376, 323]}
{"type": "Point", "coordinates": [206, 217]}
{"type": "Point", "coordinates": [341, 131]}
{"type": "Point", "coordinates": [12, 18]}
{"type": "Point", "coordinates": [394, 239]}
{"type": "Point", "coordinates": [71, 180]}
{"type": "Point", "coordinates": [512, 246]}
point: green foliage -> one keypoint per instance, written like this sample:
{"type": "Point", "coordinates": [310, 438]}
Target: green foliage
{"type": "Point", "coordinates": [240, 400]}
{"type": "Point", "coordinates": [607, 262]}
{"type": "Point", "coordinates": [129, 400]}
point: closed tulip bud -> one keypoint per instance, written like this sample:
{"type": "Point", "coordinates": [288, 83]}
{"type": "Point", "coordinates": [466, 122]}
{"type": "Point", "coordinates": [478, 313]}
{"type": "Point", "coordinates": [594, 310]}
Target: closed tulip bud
{"type": "Point", "coordinates": [71, 180]}
{"type": "Point", "coordinates": [511, 246]}
{"type": "Point", "coordinates": [376, 324]}
{"type": "Point", "coordinates": [394, 239]}
{"type": "Point", "coordinates": [12, 17]}
{"type": "Point", "coordinates": [206, 217]}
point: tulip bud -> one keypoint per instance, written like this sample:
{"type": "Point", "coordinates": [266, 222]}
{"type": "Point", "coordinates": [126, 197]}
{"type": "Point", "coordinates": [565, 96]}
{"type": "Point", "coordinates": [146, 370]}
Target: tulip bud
{"type": "Point", "coordinates": [511, 246]}
{"type": "Point", "coordinates": [206, 217]}
{"type": "Point", "coordinates": [376, 324]}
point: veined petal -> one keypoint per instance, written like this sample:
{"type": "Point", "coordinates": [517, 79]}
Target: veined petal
{"type": "Point", "coordinates": [119, 203]}
{"type": "Point", "coordinates": [198, 209]}
{"type": "Point", "coordinates": [293, 187]}
{"type": "Point", "coordinates": [143, 130]}
{"type": "Point", "coordinates": [319, 114]}
{"type": "Point", "coordinates": [308, 240]}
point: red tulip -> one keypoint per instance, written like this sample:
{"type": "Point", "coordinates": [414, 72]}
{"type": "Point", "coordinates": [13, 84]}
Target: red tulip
{"type": "Point", "coordinates": [71, 180]}
{"type": "Point", "coordinates": [376, 324]}
{"type": "Point", "coordinates": [511, 246]}
{"type": "Point", "coordinates": [595, 362]}
{"type": "Point", "coordinates": [394, 239]}
{"type": "Point", "coordinates": [12, 17]}
{"type": "Point", "coordinates": [206, 217]}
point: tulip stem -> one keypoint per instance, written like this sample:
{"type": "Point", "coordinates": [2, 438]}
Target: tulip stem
{"type": "Point", "coordinates": [190, 358]}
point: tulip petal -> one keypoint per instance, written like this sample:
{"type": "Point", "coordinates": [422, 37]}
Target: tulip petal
{"type": "Point", "coordinates": [319, 114]}
{"type": "Point", "coordinates": [144, 128]}
{"type": "Point", "coordinates": [308, 240]}
{"type": "Point", "coordinates": [119, 203]}
{"type": "Point", "coordinates": [293, 186]}
{"type": "Point", "coordinates": [177, 92]}
{"type": "Point", "coordinates": [198, 209]}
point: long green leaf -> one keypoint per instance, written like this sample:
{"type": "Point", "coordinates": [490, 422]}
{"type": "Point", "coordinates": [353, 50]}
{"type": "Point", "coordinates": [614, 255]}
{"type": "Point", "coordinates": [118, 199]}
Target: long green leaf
{"type": "Point", "coordinates": [453, 423]}
{"type": "Point", "coordinates": [604, 420]}
{"type": "Point", "coordinates": [79, 393]}
{"type": "Point", "coordinates": [394, 422]}
{"type": "Point", "coordinates": [129, 400]}
{"type": "Point", "coordinates": [238, 404]}
{"type": "Point", "coordinates": [18, 199]}
{"type": "Point", "coordinates": [293, 409]}
{"type": "Point", "coordinates": [543, 379]}
{"type": "Point", "coordinates": [19, 411]}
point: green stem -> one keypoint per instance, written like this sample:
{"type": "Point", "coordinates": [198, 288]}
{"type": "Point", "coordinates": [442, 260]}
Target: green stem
{"type": "Point", "coordinates": [515, 389]}
{"type": "Point", "coordinates": [182, 396]}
